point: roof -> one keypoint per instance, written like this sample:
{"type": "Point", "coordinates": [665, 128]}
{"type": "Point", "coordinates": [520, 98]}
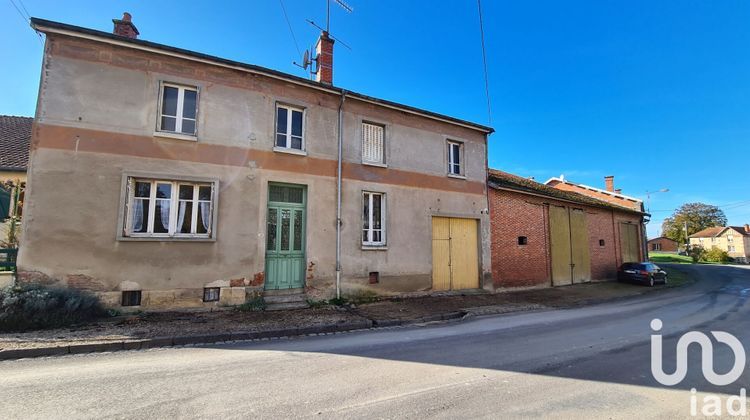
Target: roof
{"type": "Point", "coordinates": [661, 237]}
{"type": "Point", "coordinates": [599, 190]}
{"type": "Point", "coordinates": [504, 180]}
{"type": "Point", "coordinates": [48, 26]}
{"type": "Point", "coordinates": [715, 231]}
{"type": "Point", "coordinates": [15, 137]}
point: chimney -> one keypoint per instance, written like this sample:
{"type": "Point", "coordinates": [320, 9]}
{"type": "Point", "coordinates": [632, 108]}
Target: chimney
{"type": "Point", "coordinates": [609, 182]}
{"type": "Point", "coordinates": [124, 27]}
{"type": "Point", "coordinates": [747, 228]}
{"type": "Point", "coordinates": [618, 191]}
{"type": "Point", "coordinates": [324, 52]}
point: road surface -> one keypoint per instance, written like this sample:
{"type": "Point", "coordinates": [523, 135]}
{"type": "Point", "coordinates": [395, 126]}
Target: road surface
{"type": "Point", "coordinates": [590, 362]}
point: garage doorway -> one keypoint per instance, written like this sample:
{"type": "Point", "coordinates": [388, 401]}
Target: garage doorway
{"type": "Point", "coordinates": [629, 243]}
{"type": "Point", "coordinates": [569, 246]}
{"type": "Point", "coordinates": [455, 257]}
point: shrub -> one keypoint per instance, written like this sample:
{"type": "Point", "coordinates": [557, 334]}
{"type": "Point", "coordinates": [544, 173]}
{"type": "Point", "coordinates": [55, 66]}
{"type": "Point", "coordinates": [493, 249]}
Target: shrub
{"type": "Point", "coordinates": [716, 255]}
{"type": "Point", "coordinates": [33, 307]}
{"type": "Point", "coordinates": [697, 253]}
{"type": "Point", "coordinates": [255, 303]}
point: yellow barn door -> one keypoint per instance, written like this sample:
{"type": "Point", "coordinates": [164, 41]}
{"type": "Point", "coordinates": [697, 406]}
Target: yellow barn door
{"type": "Point", "coordinates": [629, 242]}
{"type": "Point", "coordinates": [579, 247]}
{"type": "Point", "coordinates": [559, 232]}
{"type": "Point", "coordinates": [455, 257]}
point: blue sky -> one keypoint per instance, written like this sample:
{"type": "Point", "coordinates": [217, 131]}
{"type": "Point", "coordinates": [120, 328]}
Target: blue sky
{"type": "Point", "coordinates": [655, 93]}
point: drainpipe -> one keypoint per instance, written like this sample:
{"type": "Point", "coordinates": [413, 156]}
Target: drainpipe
{"type": "Point", "coordinates": [338, 194]}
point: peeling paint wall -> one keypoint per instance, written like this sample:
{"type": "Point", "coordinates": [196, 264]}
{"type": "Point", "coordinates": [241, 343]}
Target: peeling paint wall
{"type": "Point", "coordinates": [96, 121]}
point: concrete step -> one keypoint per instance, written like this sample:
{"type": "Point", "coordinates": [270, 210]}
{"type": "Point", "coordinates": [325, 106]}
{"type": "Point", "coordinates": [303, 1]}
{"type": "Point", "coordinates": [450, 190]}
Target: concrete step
{"type": "Point", "coordinates": [283, 292]}
{"type": "Point", "coordinates": [300, 297]}
{"type": "Point", "coordinates": [286, 306]}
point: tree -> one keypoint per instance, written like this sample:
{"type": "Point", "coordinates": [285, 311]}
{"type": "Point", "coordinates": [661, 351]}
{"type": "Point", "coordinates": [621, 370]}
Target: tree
{"type": "Point", "coordinates": [698, 216]}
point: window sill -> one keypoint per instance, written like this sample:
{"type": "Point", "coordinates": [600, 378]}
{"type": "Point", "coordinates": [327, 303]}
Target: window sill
{"type": "Point", "coordinates": [456, 176]}
{"type": "Point", "coordinates": [289, 151]}
{"type": "Point", "coordinates": [374, 248]}
{"type": "Point", "coordinates": [177, 136]}
{"type": "Point", "coordinates": [162, 239]}
{"type": "Point", "coordinates": [379, 165]}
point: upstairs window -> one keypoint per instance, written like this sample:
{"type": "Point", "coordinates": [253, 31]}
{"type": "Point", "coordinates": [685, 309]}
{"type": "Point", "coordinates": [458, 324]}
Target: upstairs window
{"type": "Point", "coordinates": [455, 152]}
{"type": "Point", "coordinates": [178, 109]}
{"type": "Point", "coordinates": [290, 127]}
{"type": "Point", "coordinates": [373, 143]}
{"type": "Point", "coordinates": [373, 231]}
{"type": "Point", "coordinates": [159, 208]}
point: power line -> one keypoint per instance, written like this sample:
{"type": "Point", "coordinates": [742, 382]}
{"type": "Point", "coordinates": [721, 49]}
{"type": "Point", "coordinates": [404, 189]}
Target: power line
{"type": "Point", "coordinates": [294, 38]}
{"type": "Point", "coordinates": [20, 13]}
{"type": "Point", "coordinates": [26, 18]}
{"type": "Point", "coordinates": [484, 60]}
{"type": "Point", "coordinates": [24, 9]}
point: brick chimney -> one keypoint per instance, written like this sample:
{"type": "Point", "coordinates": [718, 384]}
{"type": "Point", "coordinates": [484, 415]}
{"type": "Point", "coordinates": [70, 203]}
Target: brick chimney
{"type": "Point", "coordinates": [124, 27]}
{"type": "Point", "coordinates": [618, 191]}
{"type": "Point", "coordinates": [609, 182]}
{"type": "Point", "coordinates": [324, 51]}
{"type": "Point", "coordinates": [747, 228]}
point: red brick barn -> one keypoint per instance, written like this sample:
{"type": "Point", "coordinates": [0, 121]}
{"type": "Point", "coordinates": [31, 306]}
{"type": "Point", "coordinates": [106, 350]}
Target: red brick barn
{"type": "Point", "coordinates": [662, 244]}
{"type": "Point", "coordinates": [544, 236]}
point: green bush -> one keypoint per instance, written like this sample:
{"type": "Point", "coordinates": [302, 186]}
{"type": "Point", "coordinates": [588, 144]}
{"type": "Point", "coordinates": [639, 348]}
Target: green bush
{"type": "Point", "coordinates": [716, 255]}
{"type": "Point", "coordinates": [697, 253]}
{"type": "Point", "coordinates": [34, 307]}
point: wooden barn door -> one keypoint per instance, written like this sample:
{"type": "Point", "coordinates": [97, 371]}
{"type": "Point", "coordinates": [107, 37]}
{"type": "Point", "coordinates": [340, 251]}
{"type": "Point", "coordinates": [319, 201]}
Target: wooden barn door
{"type": "Point", "coordinates": [455, 257]}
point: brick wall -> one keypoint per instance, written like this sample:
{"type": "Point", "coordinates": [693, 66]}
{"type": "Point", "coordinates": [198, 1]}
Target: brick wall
{"type": "Point", "coordinates": [667, 245]}
{"type": "Point", "coordinates": [514, 214]}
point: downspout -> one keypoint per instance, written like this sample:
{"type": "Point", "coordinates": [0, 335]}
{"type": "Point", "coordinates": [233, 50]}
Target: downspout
{"type": "Point", "coordinates": [338, 194]}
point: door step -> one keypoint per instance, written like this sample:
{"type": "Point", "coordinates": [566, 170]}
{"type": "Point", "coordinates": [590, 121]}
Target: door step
{"type": "Point", "coordinates": [280, 300]}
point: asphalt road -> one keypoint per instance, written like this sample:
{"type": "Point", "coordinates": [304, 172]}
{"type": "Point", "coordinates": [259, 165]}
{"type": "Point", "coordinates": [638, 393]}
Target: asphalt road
{"type": "Point", "coordinates": [591, 362]}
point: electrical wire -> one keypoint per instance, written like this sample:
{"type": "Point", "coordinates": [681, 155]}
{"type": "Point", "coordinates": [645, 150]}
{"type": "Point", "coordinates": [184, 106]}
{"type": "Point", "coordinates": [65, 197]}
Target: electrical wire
{"type": "Point", "coordinates": [484, 60]}
{"type": "Point", "coordinates": [26, 17]}
{"type": "Point", "coordinates": [294, 38]}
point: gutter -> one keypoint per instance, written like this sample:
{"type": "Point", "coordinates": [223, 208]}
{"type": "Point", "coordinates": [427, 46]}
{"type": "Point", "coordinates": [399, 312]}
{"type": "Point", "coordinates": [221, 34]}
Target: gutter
{"type": "Point", "coordinates": [338, 194]}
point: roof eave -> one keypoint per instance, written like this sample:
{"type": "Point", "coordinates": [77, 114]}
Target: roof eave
{"type": "Point", "coordinates": [47, 26]}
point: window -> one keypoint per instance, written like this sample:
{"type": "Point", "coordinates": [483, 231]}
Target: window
{"type": "Point", "coordinates": [601, 242]}
{"type": "Point", "coordinates": [131, 298]}
{"type": "Point", "coordinates": [373, 143]}
{"type": "Point", "coordinates": [522, 240]}
{"type": "Point", "coordinates": [730, 238]}
{"type": "Point", "coordinates": [455, 150]}
{"type": "Point", "coordinates": [374, 277]}
{"type": "Point", "coordinates": [160, 208]}
{"type": "Point", "coordinates": [373, 232]}
{"type": "Point", "coordinates": [178, 109]}
{"type": "Point", "coordinates": [289, 127]}
{"type": "Point", "coordinates": [656, 246]}
{"type": "Point", "coordinates": [211, 294]}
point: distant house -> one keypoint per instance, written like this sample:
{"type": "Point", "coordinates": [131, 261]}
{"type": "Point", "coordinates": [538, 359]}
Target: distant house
{"type": "Point", "coordinates": [662, 244]}
{"type": "Point", "coordinates": [544, 236]}
{"type": "Point", "coordinates": [735, 240]}
{"type": "Point", "coordinates": [15, 135]}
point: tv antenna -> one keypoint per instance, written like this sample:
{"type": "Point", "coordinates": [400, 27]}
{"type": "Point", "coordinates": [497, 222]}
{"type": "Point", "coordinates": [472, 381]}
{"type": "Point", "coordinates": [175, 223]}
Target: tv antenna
{"type": "Point", "coordinates": [309, 57]}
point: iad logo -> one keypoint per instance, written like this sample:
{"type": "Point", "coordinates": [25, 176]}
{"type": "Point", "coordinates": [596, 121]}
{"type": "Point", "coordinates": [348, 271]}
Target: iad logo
{"type": "Point", "coordinates": [712, 404]}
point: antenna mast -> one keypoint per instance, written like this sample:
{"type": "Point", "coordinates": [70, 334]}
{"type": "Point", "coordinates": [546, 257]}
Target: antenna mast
{"type": "Point", "coordinates": [309, 56]}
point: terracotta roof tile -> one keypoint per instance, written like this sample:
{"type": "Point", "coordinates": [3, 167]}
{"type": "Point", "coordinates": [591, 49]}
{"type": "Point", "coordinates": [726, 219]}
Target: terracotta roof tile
{"type": "Point", "coordinates": [506, 180]}
{"type": "Point", "coordinates": [15, 137]}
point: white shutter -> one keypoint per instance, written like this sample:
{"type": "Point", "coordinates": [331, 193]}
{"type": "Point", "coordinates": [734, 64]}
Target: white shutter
{"type": "Point", "coordinates": [372, 143]}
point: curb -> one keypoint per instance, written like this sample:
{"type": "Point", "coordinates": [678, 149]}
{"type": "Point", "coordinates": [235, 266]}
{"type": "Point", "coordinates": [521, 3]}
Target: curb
{"type": "Point", "coordinates": [182, 340]}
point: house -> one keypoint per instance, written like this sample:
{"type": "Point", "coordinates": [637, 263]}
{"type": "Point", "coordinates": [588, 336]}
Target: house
{"type": "Point", "coordinates": [545, 236]}
{"type": "Point", "coordinates": [735, 240]}
{"type": "Point", "coordinates": [162, 177]}
{"type": "Point", "coordinates": [15, 135]}
{"type": "Point", "coordinates": [663, 244]}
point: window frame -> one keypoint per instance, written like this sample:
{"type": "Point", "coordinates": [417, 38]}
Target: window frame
{"type": "Point", "coordinates": [127, 194]}
{"type": "Point", "coordinates": [290, 109]}
{"type": "Point", "coordinates": [384, 161]}
{"type": "Point", "coordinates": [450, 143]}
{"type": "Point", "coordinates": [180, 109]}
{"type": "Point", "coordinates": [383, 220]}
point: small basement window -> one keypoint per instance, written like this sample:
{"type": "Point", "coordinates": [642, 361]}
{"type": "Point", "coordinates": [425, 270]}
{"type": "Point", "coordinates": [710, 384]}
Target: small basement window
{"type": "Point", "coordinates": [374, 277]}
{"type": "Point", "coordinates": [522, 240]}
{"type": "Point", "coordinates": [211, 294]}
{"type": "Point", "coordinates": [601, 242]}
{"type": "Point", "coordinates": [131, 298]}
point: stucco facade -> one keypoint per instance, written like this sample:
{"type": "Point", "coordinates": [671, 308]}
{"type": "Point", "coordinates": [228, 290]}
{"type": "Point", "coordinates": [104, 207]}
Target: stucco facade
{"type": "Point", "coordinates": [95, 128]}
{"type": "Point", "coordinates": [735, 240]}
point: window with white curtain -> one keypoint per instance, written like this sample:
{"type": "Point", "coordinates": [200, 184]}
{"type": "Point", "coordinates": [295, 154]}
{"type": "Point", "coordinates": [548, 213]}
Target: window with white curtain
{"type": "Point", "coordinates": [164, 208]}
{"type": "Point", "coordinates": [373, 143]}
{"type": "Point", "coordinates": [373, 229]}
{"type": "Point", "coordinates": [455, 152]}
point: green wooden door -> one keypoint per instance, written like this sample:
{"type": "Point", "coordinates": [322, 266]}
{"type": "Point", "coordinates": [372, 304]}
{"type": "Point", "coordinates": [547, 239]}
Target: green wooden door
{"type": "Point", "coordinates": [285, 237]}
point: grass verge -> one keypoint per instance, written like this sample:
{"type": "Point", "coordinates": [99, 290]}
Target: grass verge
{"type": "Point", "coordinates": [677, 278]}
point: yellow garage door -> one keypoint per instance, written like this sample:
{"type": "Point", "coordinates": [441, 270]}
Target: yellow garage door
{"type": "Point", "coordinates": [455, 257]}
{"type": "Point", "coordinates": [569, 246]}
{"type": "Point", "coordinates": [629, 242]}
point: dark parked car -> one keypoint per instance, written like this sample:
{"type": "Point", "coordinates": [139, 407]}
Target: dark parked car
{"type": "Point", "coordinates": [646, 273]}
